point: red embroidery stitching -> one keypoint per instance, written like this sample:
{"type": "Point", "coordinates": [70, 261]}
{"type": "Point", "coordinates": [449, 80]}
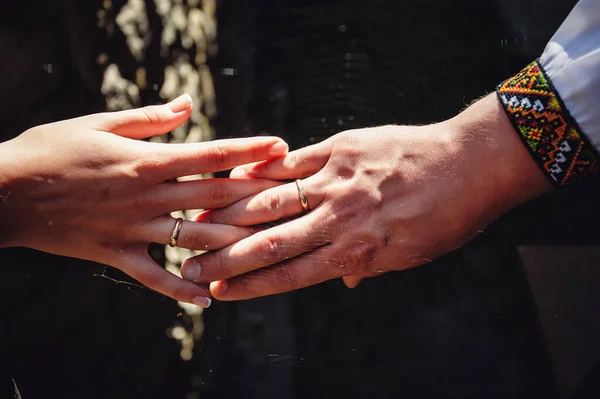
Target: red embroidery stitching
{"type": "Point", "coordinates": [546, 127]}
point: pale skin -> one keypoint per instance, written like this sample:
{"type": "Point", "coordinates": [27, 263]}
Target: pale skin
{"type": "Point", "coordinates": [381, 199]}
{"type": "Point", "coordinates": [88, 188]}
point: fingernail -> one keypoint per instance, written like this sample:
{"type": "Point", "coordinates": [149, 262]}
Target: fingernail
{"type": "Point", "coordinates": [181, 103]}
{"type": "Point", "coordinates": [238, 173]}
{"type": "Point", "coordinates": [278, 149]}
{"type": "Point", "coordinates": [201, 301]}
{"type": "Point", "coordinates": [191, 271]}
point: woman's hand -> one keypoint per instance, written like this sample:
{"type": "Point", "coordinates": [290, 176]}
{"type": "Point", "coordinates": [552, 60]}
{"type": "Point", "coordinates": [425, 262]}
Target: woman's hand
{"type": "Point", "coordinates": [381, 199]}
{"type": "Point", "coordinates": [86, 188]}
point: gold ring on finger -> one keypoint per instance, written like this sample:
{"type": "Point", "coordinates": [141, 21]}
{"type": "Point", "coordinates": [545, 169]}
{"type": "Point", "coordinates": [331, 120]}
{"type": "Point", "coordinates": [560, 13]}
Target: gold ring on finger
{"type": "Point", "coordinates": [302, 195]}
{"type": "Point", "coordinates": [176, 231]}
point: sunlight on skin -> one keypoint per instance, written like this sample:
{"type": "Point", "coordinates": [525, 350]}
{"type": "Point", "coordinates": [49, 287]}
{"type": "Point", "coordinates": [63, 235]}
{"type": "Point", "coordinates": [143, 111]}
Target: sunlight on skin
{"type": "Point", "coordinates": [90, 189]}
{"type": "Point", "coordinates": [371, 213]}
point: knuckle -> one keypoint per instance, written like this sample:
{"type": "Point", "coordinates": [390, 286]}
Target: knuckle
{"type": "Point", "coordinates": [350, 150]}
{"type": "Point", "coordinates": [292, 159]}
{"type": "Point", "coordinates": [272, 204]}
{"type": "Point", "coordinates": [351, 157]}
{"type": "Point", "coordinates": [219, 195]}
{"type": "Point", "coordinates": [133, 171]}
{"type": "Point", "coordinates": [270, 249]}
{"type": "Point", "coordinates": [150, 114]}
{"type": "Point", "coordinates": [367, 252]}
{"type": "Point", "coordinates": [350, 211]}
{"type": "Point", "coordinates": [347, 264]}
{"type": "Point", "coordinates": [217, 155]}
{"type": "Point", "coordinates": [357, 258]}
{"type": "Point", "coordinates": [218, 267]}
{"type": "Point", "coordinates": [138, 204]}
{"type": "Point", "coordinates": [284, 278]}
{"type": "Point", "coordinates": [345, 172]}
{"type": "Point", "coordinates": [144, 169]}
{"type": "Point", "coordinates": [213, 267]}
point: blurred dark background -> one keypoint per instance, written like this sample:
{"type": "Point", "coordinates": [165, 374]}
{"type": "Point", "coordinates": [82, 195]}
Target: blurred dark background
{"type": "Point", "coordinates": [470, 325]}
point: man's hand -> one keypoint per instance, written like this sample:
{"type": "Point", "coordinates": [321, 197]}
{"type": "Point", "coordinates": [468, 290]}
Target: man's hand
{"type": "Point", "coordinates": [85, 188]}
{"type": "Point", "coordinates": [381, 199]}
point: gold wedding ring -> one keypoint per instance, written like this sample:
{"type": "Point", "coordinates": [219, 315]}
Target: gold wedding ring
{"type": "Point", "coordinates": [176, 230]}
{"type": "Point", "coordinates": [302, 195]}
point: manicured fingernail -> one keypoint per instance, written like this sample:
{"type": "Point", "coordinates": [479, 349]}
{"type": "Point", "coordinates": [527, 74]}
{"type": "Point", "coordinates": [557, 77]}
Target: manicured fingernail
{"type": "Point", "coordinates": [278, 149]}
{"type": "Point", "coordinates": [181, 103]}
{"type": "Point", "coordinates": [238, 173]}
{"type": "Point", "coordinates": [191, 271]}
{"type": "Point", "coordinates": [201, 301]}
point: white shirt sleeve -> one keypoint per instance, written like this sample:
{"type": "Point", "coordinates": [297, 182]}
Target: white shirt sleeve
{"type": "Point", "coordinates": [572, 62]}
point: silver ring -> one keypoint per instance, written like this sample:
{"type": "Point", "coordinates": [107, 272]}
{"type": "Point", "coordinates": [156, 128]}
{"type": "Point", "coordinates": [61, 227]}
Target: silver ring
{"type": "Point", "coordinates": [176, 230]}
{"type": "Point", "coordinates": [302, 195]}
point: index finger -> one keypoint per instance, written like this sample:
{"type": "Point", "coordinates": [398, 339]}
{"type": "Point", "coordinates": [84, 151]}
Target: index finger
{"type": "Point", "coordinates": [198, 158]}
{"type": "Point", "coordinates": [297, 164]}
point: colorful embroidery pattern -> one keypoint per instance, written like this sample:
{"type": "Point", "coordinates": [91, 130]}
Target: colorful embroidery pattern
{"type": "Point", "coordinates": [546, 127]}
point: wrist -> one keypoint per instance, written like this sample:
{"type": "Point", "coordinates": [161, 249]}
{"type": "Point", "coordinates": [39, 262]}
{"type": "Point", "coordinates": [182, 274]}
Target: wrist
{"type": "Point", "coordinates": [497, 161]}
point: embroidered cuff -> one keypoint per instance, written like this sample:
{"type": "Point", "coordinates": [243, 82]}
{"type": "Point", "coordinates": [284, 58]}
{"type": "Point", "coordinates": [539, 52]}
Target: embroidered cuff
{"type": "Point", "coordinates": [546, 127]}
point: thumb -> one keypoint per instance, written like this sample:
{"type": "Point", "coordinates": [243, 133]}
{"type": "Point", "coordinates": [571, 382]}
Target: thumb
{"type": "Point", "coordinates": [144, 122]}
{"type": "Point", "coordinates": [352, 281]}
